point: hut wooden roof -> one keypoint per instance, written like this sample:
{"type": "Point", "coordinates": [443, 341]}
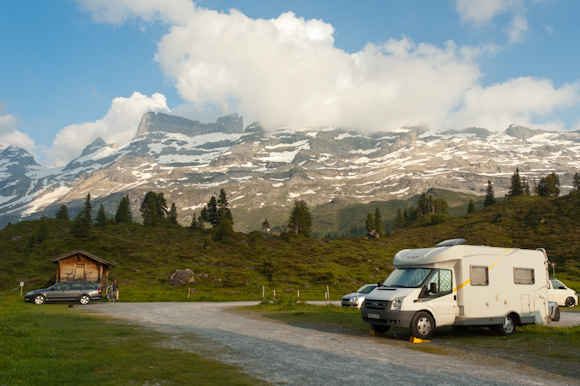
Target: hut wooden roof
{"type": "Point", "coordinates": [85, 253]}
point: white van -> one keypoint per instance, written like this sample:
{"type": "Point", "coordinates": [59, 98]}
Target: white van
{"type": "Point", "coordinates": [462, 285]}
{"type": "Point", "coordinates": [559, 293]}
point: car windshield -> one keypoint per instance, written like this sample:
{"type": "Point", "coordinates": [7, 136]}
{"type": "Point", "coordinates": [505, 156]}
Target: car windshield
{"type": "Point", "coordinates": [366, 289]}
{"type": "Point", "coordinates": [407, 277]}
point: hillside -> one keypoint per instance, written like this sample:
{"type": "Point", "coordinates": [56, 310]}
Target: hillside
{"type": "Point", "coordinates": [144, 256]}
{"type": "Point", "coordinates": [523, 222]}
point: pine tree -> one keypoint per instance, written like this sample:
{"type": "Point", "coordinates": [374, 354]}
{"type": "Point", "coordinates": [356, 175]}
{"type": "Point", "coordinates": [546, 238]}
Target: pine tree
{"type": "Point", "coordinates": [222, 207]}
{"type": "Point", "coordinates": [123, 214]}
{"type": "Point", "coordinates": [153, 209]}
{"type": "Point", "coordinates": [225, 228]}
{"type": "Point", "coordinates": [193, 222]}
{"type": "Point", "coordinates": [172, 215]}
{"type": "Point", "coordinates": [81, 226]}
{"type": "Point", "coordinates": [212, 214]}
{"type": "Point", "coordinates": [266, 226]}
{"type": "Point", "coordinates": [370, 222]}
{"type": "Point", "coordinates": [440, 206]}
{"type": "Point", "coordinates": [489, 195]}
{"type": "Point", "coordinates": [379, 222]}
{"type": "Point", "coordinates": [399, 219]}
{"type": "Point", "coordinates": [549, 186]}
{"type": "Point", "coordinates": [576, 182]}
{"type": "Point", "coordinates": [62, 213]}
{"type": "Point", "coordinates": [471, 206]}
{"type": "Point", "coordinates": [101, 217]}
{"type": "Point", "coordinates": [300, 220]}
{"type": "Point", "coordinates": [88, 208]}
{"type": "Point", "coordinates": [526, 186]}
{"type": "Point", "coordinates": [43, 231]}
{"type": "Point", "coordinates": [83, 222]}
{"type": "Point", "coordinates": [516, 188]}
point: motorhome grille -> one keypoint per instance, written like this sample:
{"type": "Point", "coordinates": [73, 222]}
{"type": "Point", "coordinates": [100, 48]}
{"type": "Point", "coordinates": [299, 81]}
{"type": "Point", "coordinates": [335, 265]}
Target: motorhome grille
{"type": "Point", "coordinates": [377, 304]}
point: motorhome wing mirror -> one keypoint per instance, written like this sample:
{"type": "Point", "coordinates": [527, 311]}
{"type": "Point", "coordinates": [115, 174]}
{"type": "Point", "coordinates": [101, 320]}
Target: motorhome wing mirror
{"type": "Point", "coordinates": [433, 288]}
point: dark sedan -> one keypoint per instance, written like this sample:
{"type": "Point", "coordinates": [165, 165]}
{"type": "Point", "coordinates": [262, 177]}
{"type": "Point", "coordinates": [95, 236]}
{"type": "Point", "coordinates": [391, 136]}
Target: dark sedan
{"type": "Point", "coordinates": [83, 293]}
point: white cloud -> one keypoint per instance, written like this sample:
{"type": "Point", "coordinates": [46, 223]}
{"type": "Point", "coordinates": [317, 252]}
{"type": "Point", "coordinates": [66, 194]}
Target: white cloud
{"type": "Point", "coordinates": [517, 29]}
{"type": "Point", "coordinates": [287, 71]}
{"type": "Point", "coordinates": [118, 126]}
{"type": "Point", "coordinates": [119, 11]}
{"type": "Point", "coordinates": [10, 135]}
{"type": "Point", "coordinates": [480, 12]}
{"type": "Point", "coordinates": [517, 101]}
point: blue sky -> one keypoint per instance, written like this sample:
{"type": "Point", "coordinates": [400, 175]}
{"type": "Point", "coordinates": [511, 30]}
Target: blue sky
{"type": "Point", "coordinates": [76, 70]}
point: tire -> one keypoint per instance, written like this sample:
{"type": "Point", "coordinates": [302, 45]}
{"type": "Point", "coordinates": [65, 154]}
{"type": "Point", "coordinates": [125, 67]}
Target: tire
{"type": "Point", "coordinates": [570, 302]}
{"type": "Point", "coordinates": [85, 299]}
{"type": "Point", "coordinates": [422, 325]}
{"type": "Point", "coordinates": [39, 299]}
{"type": "Point", "coordinates": [556, 317]}
{"type": "Point", "coordinates": [380, 328]}
{"type": "Point", "coordinates": [507, 328]}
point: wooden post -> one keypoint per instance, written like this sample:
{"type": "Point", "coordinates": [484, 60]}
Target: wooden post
{"type": "Point", "coordinates": [298, 296]}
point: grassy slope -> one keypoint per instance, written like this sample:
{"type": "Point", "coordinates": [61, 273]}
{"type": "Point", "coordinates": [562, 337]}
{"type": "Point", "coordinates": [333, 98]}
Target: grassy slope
{"type": "Point", "coordinates": [145, 256]}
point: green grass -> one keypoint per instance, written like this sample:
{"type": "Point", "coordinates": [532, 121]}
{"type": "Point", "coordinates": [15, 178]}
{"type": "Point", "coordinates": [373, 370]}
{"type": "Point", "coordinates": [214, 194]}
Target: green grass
{"type": "Point", "coordinates": [54, 344]}
{"type": "Point", "coordinates": [551, 349]}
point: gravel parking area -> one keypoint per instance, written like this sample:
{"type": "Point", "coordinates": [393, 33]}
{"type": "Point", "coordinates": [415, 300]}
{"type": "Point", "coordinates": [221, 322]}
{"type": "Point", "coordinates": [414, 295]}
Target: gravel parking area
{"type": "Point", "coordinates": [287, 355]}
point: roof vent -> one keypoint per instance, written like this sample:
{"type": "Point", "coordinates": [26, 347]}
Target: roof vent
{"type": "Point", "coordinates": [452, 242]}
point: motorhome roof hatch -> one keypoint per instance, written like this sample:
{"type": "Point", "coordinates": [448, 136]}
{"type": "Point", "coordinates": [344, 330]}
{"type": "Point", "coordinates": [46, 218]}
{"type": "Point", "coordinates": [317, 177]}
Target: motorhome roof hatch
{"type": "Point", "coordinates": [452, 242]}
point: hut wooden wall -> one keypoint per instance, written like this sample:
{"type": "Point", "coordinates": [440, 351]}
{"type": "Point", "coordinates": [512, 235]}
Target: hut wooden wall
{"type": "Point", "coordinates": [80, 268]}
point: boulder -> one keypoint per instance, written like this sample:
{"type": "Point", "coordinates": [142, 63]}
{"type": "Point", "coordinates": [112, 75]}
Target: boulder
{"type": "Point", "coordinates": [179, 278]}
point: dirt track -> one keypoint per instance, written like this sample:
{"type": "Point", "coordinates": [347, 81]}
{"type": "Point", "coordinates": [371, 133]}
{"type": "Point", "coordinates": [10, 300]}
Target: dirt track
{"type": "Point", "coordinates": [287, 355]}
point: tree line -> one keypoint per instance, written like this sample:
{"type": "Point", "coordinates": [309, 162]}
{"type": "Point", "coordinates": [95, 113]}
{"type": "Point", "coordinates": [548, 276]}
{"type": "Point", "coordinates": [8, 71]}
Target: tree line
{"type": "Point", "coordinates": [154, 212]}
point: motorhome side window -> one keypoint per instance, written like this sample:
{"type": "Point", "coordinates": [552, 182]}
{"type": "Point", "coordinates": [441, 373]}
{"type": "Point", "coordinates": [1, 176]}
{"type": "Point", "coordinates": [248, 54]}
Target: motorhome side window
{"type": "Point", "coordinates": [478, 275]}
{"type": "Point", "coordinates": [441, 283]}
{"type": "Point", "coordinates": [524, 276]}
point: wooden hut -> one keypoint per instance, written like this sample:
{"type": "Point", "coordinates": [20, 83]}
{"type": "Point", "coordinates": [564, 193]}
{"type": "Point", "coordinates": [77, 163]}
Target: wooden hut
{"type": "Point", "coordinates": [82, 266]}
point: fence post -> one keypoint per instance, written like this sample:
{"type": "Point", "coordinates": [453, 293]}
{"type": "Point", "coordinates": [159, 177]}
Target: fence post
{"type": "Point", "coordinates": [263, 289]}
{"type": "Point", "coordinates": [328, 292]}
{"type": "Point", "coordinates": [274, 296]}
{"type": "Point", "coordinates": [326, 298]}
{"type": "Point", "coordinates": [298, 301]}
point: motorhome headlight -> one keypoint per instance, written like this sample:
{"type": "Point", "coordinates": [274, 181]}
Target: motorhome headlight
{"type": "Point", "coordinates": [396, 304]}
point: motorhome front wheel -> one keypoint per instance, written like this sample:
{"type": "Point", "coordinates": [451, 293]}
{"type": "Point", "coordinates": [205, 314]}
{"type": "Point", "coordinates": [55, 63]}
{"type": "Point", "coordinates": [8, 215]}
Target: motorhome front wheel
{"type": "Point", "coordinates": [422, 325]}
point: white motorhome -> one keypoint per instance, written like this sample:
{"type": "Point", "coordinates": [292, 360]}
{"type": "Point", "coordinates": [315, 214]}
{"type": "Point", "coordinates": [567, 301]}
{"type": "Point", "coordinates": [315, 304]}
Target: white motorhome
{"type": "Point", "coordinates": [462, 285]}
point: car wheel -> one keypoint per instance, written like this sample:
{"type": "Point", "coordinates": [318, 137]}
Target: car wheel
{"type": "Point", "coordinates": [85, 299]}
{"type": "Point", "coordinates": [507, 328]}
{"type": "Point", "coordinates": [570, 302]}
{"type": "Point", "coordinates": [39, 299]}
{"type": "Point", "coordinates": [380, 328]}
{"type": "Point", "coordinates": [422, 325]}
{"type": "Point", "coordinates": [556, 317]}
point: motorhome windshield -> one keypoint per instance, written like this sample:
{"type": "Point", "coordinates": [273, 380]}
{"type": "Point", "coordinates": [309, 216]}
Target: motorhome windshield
{"type": "Point", "coordinates": [407, 277]}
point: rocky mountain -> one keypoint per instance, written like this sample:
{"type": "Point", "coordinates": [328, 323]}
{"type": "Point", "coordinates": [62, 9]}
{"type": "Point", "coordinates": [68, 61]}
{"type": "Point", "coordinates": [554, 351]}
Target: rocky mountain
{"type": "Point", "coordinates": [263, 172]}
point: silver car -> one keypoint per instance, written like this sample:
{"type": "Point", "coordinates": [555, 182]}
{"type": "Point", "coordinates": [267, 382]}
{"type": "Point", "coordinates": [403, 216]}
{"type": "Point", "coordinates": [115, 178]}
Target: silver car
{"type": "Point", "coordinates": [356, 299]}
{"type": "Point", "coordinates": [65, 292]}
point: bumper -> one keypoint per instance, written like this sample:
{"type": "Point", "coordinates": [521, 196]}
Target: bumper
{"type": "Point", "coordinates": [388, 318]}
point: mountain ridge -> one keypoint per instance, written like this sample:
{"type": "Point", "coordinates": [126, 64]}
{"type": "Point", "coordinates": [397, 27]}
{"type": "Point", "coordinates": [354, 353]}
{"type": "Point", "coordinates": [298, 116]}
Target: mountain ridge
{"type": "Point", "coordinates": [263, 172]}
